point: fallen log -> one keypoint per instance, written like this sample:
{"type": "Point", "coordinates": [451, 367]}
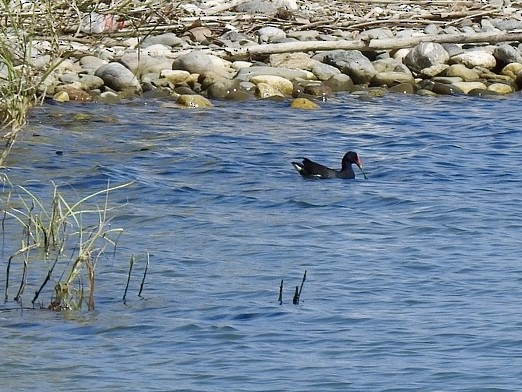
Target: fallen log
{"type": "Point", "coordinates": [374, 44]}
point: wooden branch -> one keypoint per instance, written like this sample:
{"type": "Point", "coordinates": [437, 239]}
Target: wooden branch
{"type": "Point", "coordinates": [379, 44]}
{"type": "Point", "coordinates": [464, 38]}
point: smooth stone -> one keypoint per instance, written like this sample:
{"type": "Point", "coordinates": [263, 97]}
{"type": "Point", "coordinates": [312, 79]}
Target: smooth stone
{"type": "Point", "coordinates": [506, 54]}
{"type": "Point", "coordinates": [466, 87]}
{"type": "Point", "coordinates": [463, 72]}
{"type": "Point", "coordinates": [69, 78]}
{"type": "Point", "coordinates": [157, 50]}
{"type": "Point", "coordinates": [434, 70]}
{"type": "Point", "coordinates": [303, 103]}
{"type": "Point", "coordinates": [277, 82]}
{"type": "Point", "coordinates": [245, 74]}
{"type": "Point", "coordinates": [193, 101]}
{"type": "Point", "coordinates": [317, 90]}
{"type": "Point", "coordinates": [197, 62]}
{"type": "Point", "coordinates": [324, 71]}
{"type": "Point", "coordinates": [390, 65]}
{"type": "Point", "coordinates": [91, 82]}
{"type": "Point", "coordinates": [61, 96]}
{"type": "Point", "coordinates": [475, 58]}
{"type": "Point", "coordinates": [237, 65]}
{"type": "Point", "coordinates": [142, 63]}
{"type": "Point", "coordinates": [117, 77]}
{"type": "Point", "coordinates": [447, 79]}
{"type": "Point", "coordinates": [174, 75]}
{"type": "Point", "coordinates": [264, 90]}
{"type": "Point", "coordinates": [184, 90]}
{"type": "Point", "coordinates": [400, 54]}
{"type": "Point", "coordinates": [340, 82]}
{"type": "Point", "coordinates": [91, 62]}
{"type": "Point", "coordinates": [425, 55]}
{"type": "Point", "coordinates": [501, 88]}
{"type": "Point", "coordinates": [376, 33]}
{"type": "Point", "coordinates": [482, 93]}
{"type": "Point", "coordinates": [446, 89]}
{"type": "Point", "coordinates": [303, 35]}
{"type": "Point", "coordinates": [222, 89]}
{"type": "Point", "coordinates": [298, 60]}
{"type": "Point", "coordinates": [511, 70]}
{"type": "Point", "coordinates": [257, 6]}
{"type": "Point", "coordinates": [352, 63]}
{"type": "Point", "coordinates": [426, 93]}
{"type": "Point", "coordinates": [391, 78]}
{"type": "Point", "coordinates": [168, 39]}
{"type": "Point", "coordinates": [402, 88]}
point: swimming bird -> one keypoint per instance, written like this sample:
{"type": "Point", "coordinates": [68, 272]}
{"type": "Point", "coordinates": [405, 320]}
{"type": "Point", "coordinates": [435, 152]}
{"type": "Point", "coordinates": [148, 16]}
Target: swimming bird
{"type": "Point", "coordinates": [311, 169]}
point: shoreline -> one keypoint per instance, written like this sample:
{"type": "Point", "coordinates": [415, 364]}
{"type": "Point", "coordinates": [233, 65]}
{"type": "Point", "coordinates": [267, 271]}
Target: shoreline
{"type": "Point", "coordinates": [287, 49]}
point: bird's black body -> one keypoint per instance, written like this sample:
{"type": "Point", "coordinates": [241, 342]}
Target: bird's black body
{"type": "Point", "coordinates": [311, 169]}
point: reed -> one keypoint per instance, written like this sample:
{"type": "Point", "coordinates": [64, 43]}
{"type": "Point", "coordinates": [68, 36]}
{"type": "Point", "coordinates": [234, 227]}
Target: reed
{"type": "Point", "coordinates": [68, 237]}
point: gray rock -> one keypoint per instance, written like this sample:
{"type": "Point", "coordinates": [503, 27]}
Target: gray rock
{"type": "Point", "coordinates": [432, 29]}
{"type": "Point", "coordinates": [426, 54]}
{"type": "Point", "coordinates": [453, 49]}
{"type": "Point", "coordinates": [376, 33]}
{"type": "Point", "coordinates": [141, 63]}
{"type": "Point", "coordinates": [506, 54]}
{"type": "Point", "coordinates": [339, 82]}
{"type": "Point", "coordinates": [117, 77]}
{"type": "Point", "coordinates": [257, 6]}
{"type": "Point", "coordinates": [391, 79]}
{"type": "Point", "coordinates": [167, 39]}
{"type": "Point", "coordinates": [507, 24]}
{"type": "Point", "coordinates": [91, 62]}
{"type": "Point", "coordinates": [199, 62]}
{"type": "Point", "coordinates": [390, 65]}
{"type": "Point", "coordinates": [324, 71]}
{"type": "Point", "coordinates": [91, 82]}
{"type": "Point", "coordinates": [305, 35]}
{"type": "Point", "coordinates": [352, 63]}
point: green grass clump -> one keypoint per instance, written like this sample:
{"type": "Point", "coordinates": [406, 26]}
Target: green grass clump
{"type": "Point", "coordinates": [64, 239]}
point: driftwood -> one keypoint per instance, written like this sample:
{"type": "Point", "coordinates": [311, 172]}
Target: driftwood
{"type": "Point", "coordinates": [380, 44]}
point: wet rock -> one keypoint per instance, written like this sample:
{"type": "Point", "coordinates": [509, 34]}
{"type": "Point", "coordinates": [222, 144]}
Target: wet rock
{"type": "Point", "coordinates": [317, 90]}
{"type": "Point", "coordinates": [463, 72]}
{"type": "Point", "coordinates": [446, 89]}
{"type": "Point", "coordinates": [352, 63]}
{"type": "Point", "coordinates": [475, 58]}
{"type": "Point", "coordinates": [193, 101]}
{"type": "Point", "coordinates": [117, 77]}
{"type": "Point", "coordinates": [303, 103]}
{"type": "Point", "coordinates": [61, 96]}
{"type": "Point", "coordinates": [277, 82]}
{"type": "Point", "coordinates": [402, 88]}
{"type": "Point", "coordinates": [175, 76]}
{"type": "Point", "coordinates": [425, 55]}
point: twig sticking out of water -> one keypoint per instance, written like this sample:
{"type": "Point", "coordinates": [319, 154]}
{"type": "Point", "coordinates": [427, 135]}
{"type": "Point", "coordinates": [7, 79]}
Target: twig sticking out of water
{"type": "Point", "coordinates": [281, 293]}
{"type": "Point", "coordinates": [131, 264]}
{"type": "Point", "coordinates": [298, 291]}
{"type": "Point", "coordinates": [144, 274]}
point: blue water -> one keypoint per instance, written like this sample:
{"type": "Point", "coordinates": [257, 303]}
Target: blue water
{"type": "Point", "coordinates": [414, 276]}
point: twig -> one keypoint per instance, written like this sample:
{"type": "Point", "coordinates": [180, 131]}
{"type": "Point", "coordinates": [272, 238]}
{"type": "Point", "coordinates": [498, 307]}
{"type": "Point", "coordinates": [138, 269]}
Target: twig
{"type": "Point", "coordinates": [281, 293]}
{"type": "Point", "coordinates": [298, 291]}
{"type": "Point", "coordinates": [128, 277]}
{"type": "Point", "coordinates": [144, 274]}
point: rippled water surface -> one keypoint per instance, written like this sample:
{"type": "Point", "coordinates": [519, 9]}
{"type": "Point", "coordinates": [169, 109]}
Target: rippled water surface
{"type": "Point", "coordinates": [414, 276]}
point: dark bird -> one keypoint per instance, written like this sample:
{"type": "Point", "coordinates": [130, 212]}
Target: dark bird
{"type": "Point", "coordinates": [311, 169]}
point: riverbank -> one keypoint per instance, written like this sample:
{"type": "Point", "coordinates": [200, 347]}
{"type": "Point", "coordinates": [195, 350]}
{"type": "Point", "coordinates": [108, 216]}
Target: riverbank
{"type": "Point", "coordinates": [196, 52]}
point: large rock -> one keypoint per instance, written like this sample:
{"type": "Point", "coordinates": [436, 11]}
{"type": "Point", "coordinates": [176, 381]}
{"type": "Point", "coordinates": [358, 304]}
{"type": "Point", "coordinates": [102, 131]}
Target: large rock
{"type": "Point", "coordinates": [391, 79]}
{"type": "Point", "coordinates": [425, 55]}
{"type": "Point", "coordinates": [199, 62]}
{"type": "Point", "coordinates": [270, 34]}
{"type": "Point", "coordinates": [352, 63]}
{"type": "Point", "coordinates": [506, 54]}
{"type": "Point", "coordinates": [277, 82]}
{"type": "Point", "coordinates": [475, 58]}
{"type": "Point", "coordinates": [463, 72]}
{"type": "Point", "coordinates": [297, 60]}
{"type": "Point", "coordinates": [117, 77]}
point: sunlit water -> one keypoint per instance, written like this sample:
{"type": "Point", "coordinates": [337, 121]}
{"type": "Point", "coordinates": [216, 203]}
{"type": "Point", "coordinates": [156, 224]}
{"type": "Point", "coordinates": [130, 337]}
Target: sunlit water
{"type": "Point", "coordinates": [414, 276]}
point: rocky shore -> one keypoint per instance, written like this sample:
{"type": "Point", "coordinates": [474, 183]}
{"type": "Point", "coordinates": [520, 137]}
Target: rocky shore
{"type": "Point", "coordinates": [198, 52]}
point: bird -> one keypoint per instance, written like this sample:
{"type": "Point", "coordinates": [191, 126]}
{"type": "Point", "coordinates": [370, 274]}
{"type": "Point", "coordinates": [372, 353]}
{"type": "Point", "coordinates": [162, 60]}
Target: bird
{"type": "Point", "coordinates": [311, 169]}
